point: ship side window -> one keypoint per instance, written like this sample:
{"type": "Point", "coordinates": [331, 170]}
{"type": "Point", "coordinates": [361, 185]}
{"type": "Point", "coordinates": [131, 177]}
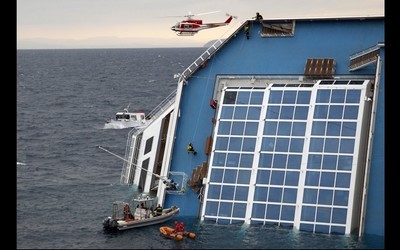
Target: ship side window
{"type": "Point", "coordinates": [149, 144]}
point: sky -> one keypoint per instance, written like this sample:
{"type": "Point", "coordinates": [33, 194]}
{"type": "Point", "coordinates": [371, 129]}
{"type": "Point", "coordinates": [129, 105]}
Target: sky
{"type": "Point", "coordinates": [58, 24]}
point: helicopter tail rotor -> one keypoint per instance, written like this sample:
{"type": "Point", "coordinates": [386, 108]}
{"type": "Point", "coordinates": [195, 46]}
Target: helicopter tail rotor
{"type": "Point", "coordinates": [227, 14]}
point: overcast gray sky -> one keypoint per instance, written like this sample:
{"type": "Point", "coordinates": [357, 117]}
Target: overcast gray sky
{"type": "Point", "coordinates": [146, 23]}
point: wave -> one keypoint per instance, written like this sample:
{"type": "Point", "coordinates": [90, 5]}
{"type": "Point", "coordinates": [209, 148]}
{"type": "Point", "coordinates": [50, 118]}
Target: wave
{"type": "Point", "coordinates": [21, 163]}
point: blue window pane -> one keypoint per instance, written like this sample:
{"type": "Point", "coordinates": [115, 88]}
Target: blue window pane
{"type": "Point", "coordinates": [211, 208]}
{"type": "Point", "coordinates": [235, 144]}
{"type": "Point", "coordinates": [277, 177]}
{"type": "Point", "coordinates": [214, 191]}
{"type": "Point", "coordinates": [301, 113]}
{"type": "Point", "coordinates": [346, 146]}
{"type": "Point", "coordinates": [237, 128]}
{"type": "Point", "coordinates": [254, 113]}
{"type": "Point", "coordinates": [339, 215]}
{"type": "Point", "coordinates": [316, 144]}
{"type": "Point", "coordinates": [221, 143]}
{"type": "Point", "coordinates": [263, 176]}
{"type": "Point", "coordinates": [244, 177]}
{"type": "Point", "coordinates": [243, 97]}
{"type": "Point", "coordinates": [303, 97]}
{"type": "Point", "coordinates": [338, 96]}
{"type": "Point", "coordinates": [230, 176]}
{"type": "Point", "coordinates": [333, 128]}
{"type": "Point", "coordinates": [350, 112]}
{"type": "Point", "coordinates": [240, 113]}
{"type": "Point", "coordinates": [296, 145]}
{"type": "Point", "coordinates": [270, 128]}
{"type": "Point", "coordinates": [343, 180]}
{"type": "Point", "coordinates": [287, 112]}
{"type": "Point", "coordinates": [275, 96]}
{"type": "Point", "coordinates": [258, 211]}
{"type": "Point", "coordinates": [288, 213]}
{"type": "Point", "coordinates": [273, 212]}
{"type": "Point", "coordinates": [331, 145]}
{"type": "Point", "coordinates": [329, 162]}
{"type": "Point", "coordinates": [299, 129]}
{"type": "Point", "coordinates": [273, 112]}
{"type": "Point", "coordinates": [268, 144]}
{"type": "Point", "coordinates": [289, 96]}
{"type": "Point", "coordinates": [219, 159]}
{"type": "Point", "coordinates": [230, 97]}
{"type": "Point", "coordinates": [323, 214]}
{"type": "Point", "coordinates": [232, 160]}
{"type": "Point", "coordinates": [294, 162]}
{"type": "Point", "coordinates": [249, 144]}
{"type": "Point", "coordinates": [260, 193]}
{"type": "Point", "coordinates": [227, 192]}
{"type": "Point", "coordinates": [241, 193]}
{"type": "Point", "coordinates": [345, 162]}
{"type": "Point", "coordinates": [327, 179]}
{"type": "Point", "coordinates": [282, 144]}
{"type": "Point", "coordinates": [323, 96]}
{"type": "Point", "coordinates": [353, 96]}
{"type": "Point", "coordinates": [337, 230]}
{"type": "Point", "coordinates": [225, 209]}
{"type": "Point", "coordinates": [251, 128]}
{"type": "Point", "coordinates": [341, 198]}
{"type": "Point", "coordinates": [322, 229]}
{"type": "Point", "coordinates": [318, 128]}
{"type": "Point", "coordinates": [224, 128]}
{"type": "Point", "coordinates": [321, 111]}
{"type": "Point", "coordinates": [216, 175]}
{"type": "Point", "coordinates": [308, 213]}
{"type": "Point", "coordinates": [246, 160]}
{"type": "Point", "coordinates": [239, 210]}
{"type": "Point", "coordinates": [349, 129]}
{"type": "Point", "coordinates": [284, 128]}
{"type": "Point", "coordinates": [265, 160]}
{"type": "Point", "coordinates": [310, 196]}
{"type": "Point", "coordinates": [256, 98]}
{"type": "Point", "coordinates": [290, 195]}
{"type": "Point", "coordinates": [275, 194]}
{"type": "Point", "coordinates": [325, 197]}
{"type": "Point", "coordinates": [335, 112]}
{"type": "Point", "coordinates": [307, 227]}
{"type": "Point", "coordinates": [292, 178]}
{"type": "Point", "coordinates": [279, 161]}
{"type": "Point", "coordinates": [226, 112]}
{"type": "Point", "coordinates": [312, 178]}
{"type": "Point", "coordinates": [314, 161]}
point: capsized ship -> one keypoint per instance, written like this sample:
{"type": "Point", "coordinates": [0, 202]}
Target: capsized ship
{"type": "Point", "coordinates": [287, 119]}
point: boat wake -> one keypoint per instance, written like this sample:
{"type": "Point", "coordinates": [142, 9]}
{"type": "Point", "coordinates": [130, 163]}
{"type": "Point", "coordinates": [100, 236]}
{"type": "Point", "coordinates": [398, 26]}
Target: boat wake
{"type": "Point", "coordinates": [114, 126]}
{"type": "Point", "coordinates": [21, 163]}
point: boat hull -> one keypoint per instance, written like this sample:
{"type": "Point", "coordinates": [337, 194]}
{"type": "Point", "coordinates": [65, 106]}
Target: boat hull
{"type": "Point", "coordinates": [124, 225]}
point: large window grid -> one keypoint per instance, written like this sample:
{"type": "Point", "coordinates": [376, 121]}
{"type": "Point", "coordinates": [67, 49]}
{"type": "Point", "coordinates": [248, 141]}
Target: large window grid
{"type": "Point", "coordinates": [297, 163]}
{"type": "Point", "coordinates": [233, 154]}
{"type": "Point", "coordinates": [330, 160]}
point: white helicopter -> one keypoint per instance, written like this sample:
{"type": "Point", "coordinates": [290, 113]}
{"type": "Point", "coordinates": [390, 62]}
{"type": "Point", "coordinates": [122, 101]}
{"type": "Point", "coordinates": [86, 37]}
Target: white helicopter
{"type": "Point", "coordinates": [190, 26]}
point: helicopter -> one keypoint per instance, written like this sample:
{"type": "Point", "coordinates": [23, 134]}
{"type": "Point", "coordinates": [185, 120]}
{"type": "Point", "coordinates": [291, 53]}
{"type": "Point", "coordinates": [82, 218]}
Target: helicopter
{"type": "Point", "coordinates": [190, 26]}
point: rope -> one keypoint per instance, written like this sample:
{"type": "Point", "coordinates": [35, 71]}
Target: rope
{"type": "Point", "coordinates": [135, 166]}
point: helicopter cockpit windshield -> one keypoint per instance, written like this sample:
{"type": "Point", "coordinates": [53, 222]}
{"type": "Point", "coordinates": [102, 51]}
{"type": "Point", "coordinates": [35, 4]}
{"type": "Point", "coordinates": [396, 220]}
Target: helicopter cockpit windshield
{"type": "Point", "coordinates": [175, 26]}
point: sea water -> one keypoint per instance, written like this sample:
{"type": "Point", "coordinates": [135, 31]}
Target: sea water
{"type": "Point", "coordinates": [66, 184]}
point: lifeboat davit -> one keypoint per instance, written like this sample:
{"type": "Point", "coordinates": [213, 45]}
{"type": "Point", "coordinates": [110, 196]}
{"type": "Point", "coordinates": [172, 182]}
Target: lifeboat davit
{"type": "Point", "coordinates": [169, 232]}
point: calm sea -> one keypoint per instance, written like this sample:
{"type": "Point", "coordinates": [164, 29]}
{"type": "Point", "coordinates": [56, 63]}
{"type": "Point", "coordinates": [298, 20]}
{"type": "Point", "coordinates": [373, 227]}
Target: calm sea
{"type": "Point", "coordinates": [66, 185]}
